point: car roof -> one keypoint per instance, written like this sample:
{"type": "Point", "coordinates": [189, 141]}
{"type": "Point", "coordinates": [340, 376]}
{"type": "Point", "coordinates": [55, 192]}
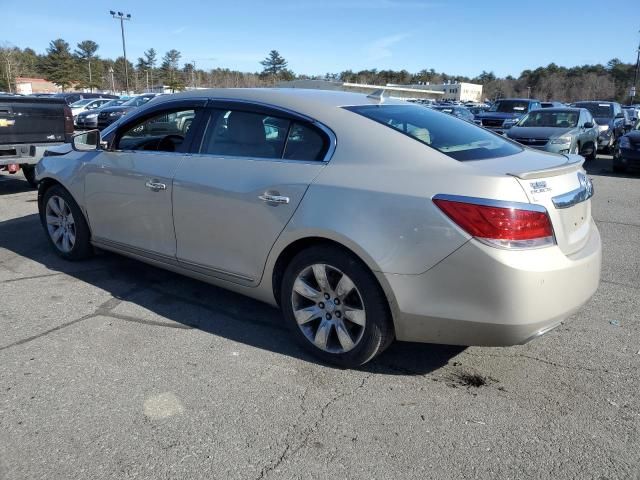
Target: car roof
{"type": "Point", "coordinates": [311, 102]}
{"type": "Point", "coordinates": [518, 99]}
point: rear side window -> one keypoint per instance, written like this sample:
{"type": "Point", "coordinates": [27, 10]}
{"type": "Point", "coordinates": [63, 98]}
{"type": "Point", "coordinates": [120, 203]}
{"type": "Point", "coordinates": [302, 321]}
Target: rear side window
{"type": "Point", "coordinates": [447, 134]}
{"type": "Point", "coordinates": [304, 143]}
{"type": "Point", "coordinates": [239, 133]}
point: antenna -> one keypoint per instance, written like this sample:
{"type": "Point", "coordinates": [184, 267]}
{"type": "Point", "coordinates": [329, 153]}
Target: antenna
{"type": "Point", "coordinates": [379, 95]}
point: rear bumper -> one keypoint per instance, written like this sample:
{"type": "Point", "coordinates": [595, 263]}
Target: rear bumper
{"type": "Point", "coordinates": [23, 153]}
{"type": "Point", "coordinates": [485, 296]}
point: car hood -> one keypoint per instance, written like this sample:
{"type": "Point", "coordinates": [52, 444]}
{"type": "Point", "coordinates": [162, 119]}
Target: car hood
{"type": "Point", "coordinates": [537, 132]}
{"type": "Point", "coordinates": [498, 115]}
{"type": "Point", "coordinates": [634, 136]}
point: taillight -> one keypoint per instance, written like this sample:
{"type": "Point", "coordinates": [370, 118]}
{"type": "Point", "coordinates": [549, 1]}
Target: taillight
{"type": "Point", "coordinates": [501, 224]}
{"type": "Point", "coordinates": [68, 122]}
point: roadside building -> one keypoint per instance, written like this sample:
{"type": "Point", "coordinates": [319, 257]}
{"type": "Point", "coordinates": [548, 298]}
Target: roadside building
{"type": "Point", "coordinates": [461, 91]}
{"type": "Point", "coordinates": [28, 86]}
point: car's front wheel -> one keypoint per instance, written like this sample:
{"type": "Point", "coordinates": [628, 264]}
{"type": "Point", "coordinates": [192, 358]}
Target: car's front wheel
{"type": "Point", "coordinates": [64, 224]}
{"type": "Point", "coordinates": [335, 306]}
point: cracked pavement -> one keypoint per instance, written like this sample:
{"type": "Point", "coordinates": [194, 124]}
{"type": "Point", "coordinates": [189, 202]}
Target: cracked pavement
{"type": "Point", "coordinates": [110, 368]}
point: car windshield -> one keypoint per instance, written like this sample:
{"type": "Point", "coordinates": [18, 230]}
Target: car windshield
{"type": "Point", "coordinates": [600, 110]}
{"type": "Point", "coordinates": [542, 118]}
{"type": "Point", "coordinates": [113, 103]}
{"type": "Point", "coordinates": [447, 134]}
{"type": "Point", "coordinates": [510, 106]}
{"type": "Point", "coordinates": [81, 103]}
{"type": "Point", "coordinates": [136, 101]}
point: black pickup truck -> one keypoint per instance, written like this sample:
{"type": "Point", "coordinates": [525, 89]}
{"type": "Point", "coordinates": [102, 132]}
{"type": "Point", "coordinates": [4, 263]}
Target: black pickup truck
{"type": "Point", "coordinates": [28, 126]}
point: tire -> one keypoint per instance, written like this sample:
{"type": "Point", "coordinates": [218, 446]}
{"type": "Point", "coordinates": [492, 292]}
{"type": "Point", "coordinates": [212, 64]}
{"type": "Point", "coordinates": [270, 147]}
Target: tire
{"type": "Point", "coordinates": [593, 154]}
{"type": "Point", "coordinates": [58, 210]}
{"type": "Point", "coordinates": [576, 149]}
{"type": "Point", "coordinates": [619, 168]}
{"type": "Point", "coordinates": [349, 319]}
{"type": "Point", "coordinates": [29, 172]}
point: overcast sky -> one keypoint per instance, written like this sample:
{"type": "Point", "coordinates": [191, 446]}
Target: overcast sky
{"type": "Point", "coordinates": [457, 37]}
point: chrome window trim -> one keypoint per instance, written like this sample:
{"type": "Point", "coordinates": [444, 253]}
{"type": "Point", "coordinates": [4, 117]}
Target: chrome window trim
{"type": "Point", "coordinates": [488, 202]}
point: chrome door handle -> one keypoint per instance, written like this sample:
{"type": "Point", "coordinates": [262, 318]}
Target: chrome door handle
{"type": "Point", "coordinates": [277, 199]}
{"type": "Point", "coordinates": [155, 186]}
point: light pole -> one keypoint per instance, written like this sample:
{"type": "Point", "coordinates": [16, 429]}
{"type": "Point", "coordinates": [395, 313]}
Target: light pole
{"type": "Point", "coordinates": [632, 93]}
{"type": "Point", "coordinates": [122, 17]}
{"type": "Point", "coordinates": [113, 83]}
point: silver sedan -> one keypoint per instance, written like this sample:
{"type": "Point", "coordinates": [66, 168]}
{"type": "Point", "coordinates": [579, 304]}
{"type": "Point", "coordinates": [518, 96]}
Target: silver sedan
{"type": "Point", "coordinates": [365, 219]}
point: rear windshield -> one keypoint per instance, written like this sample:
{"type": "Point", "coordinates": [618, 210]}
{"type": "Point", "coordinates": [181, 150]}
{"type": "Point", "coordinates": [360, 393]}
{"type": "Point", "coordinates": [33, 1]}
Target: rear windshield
{"type": "Point", "coordinates": [452, 136]}
{"type": "Point", "coordinates": [510, 106]}
{"type": "Point", "coordinates": [601, 110]}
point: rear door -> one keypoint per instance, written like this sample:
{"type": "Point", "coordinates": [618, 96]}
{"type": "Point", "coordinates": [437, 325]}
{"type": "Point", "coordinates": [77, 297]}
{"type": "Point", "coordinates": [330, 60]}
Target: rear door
{"type": "Point", "coordinates": [233, 197]}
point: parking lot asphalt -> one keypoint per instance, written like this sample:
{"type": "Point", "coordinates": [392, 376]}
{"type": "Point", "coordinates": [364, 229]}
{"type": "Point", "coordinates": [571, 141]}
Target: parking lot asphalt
{"type": "Point", "coordinates": [110, 368]}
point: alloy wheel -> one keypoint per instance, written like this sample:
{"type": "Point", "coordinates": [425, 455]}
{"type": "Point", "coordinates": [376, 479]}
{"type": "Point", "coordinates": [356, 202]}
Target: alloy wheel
{"type": "Point", "coordinates": [60, 224]}
{"type": "Point", "coordinates": [328, 308]}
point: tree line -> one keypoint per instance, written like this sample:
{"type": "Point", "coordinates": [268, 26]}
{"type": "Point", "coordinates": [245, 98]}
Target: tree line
{"type": "Point", "coordinates": [82, 67]}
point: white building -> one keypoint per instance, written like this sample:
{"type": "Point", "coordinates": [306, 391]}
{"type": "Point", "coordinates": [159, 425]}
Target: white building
{"type": "Point", "coordinates": [461, 92]}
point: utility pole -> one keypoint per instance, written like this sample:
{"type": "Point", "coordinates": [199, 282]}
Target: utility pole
{"type": "Point", "coordinates": [8, 73]}
{"type": "Point", "coordinates": [90, 82]}
{"type": "Point", "coordinates": [122, 17]}
{"type": "Point", "coordinates": [528, 92]}
{"type": "Point", "coordinates": [113, 83]}
{"type": "Point", "coordinates": [632, 93]}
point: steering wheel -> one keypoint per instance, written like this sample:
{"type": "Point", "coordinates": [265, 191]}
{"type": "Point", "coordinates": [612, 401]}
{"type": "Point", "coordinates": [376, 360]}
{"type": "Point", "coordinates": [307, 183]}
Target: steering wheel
{"type": "Point", "coordinates": [169, 143]}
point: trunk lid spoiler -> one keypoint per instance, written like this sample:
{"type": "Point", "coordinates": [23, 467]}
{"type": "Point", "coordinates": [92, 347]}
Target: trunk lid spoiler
{"type": "Point", "coordinates": [574, 164]}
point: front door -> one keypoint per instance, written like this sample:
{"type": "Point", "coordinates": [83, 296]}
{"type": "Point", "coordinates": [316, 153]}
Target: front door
{"type": "Point", "coordinates": [234, 197]}
{"type": "Point", "coordinates": [128, 189]}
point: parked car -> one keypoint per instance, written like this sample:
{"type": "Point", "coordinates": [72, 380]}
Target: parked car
{"type": "Point", "coordinates": [610, 120]}
{"type": "Point", "coordinates": [456, 111]}
{"type": "Point", "coordinates": [72, 97]}
{"type": "Point", "coordinates": [363, 220]}
{"type": "Point", "coordinates": [627, 153]}
{"type": "Point", "coordinates": [551, 104]}
{"type": "Point", "coordinates": [505, 113]}
{"type": "Point", "coordinates": [629, 122]}
{"type": "Point", "coordinates": [558, 130]}
{"type": "Point", "coordinates": [28, 125]}
{"type": "Point", "coordinates": [634, 113]}
{"type": "Point", "coordinates": [108, 115]}
{"type": "Point", "coordinates": [89, 118]}
{"type": "Point", "coordinates": [87, 104]}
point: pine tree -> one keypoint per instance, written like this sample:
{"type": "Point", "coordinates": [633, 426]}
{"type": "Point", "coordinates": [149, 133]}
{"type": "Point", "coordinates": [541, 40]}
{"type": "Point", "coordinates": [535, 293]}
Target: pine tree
{"type": "Point", "coordinates": [85, 52]}
{"type": "Point", "coordinates": [274, 64]}
{"type": "Point", "coordinates": [58, 65]}
{"type": "Point", "coordinates": [169, 67]}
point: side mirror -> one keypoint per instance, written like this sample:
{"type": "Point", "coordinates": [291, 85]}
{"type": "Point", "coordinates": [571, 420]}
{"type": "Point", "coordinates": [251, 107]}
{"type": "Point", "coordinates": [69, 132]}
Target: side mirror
{"type": "Point", "coordinates": [86, 141]}
{"type": "Point", "coordinates": [588, 125]}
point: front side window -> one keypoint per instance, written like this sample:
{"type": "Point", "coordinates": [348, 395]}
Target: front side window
{"type": "Point", "coordinates": [447, 134]}
{"type": "Point", "coordinates": [163, 132]}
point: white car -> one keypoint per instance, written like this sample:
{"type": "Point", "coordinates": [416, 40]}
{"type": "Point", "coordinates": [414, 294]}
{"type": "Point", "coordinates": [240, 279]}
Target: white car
{"type": "Point", "coordinates": [87, 104]}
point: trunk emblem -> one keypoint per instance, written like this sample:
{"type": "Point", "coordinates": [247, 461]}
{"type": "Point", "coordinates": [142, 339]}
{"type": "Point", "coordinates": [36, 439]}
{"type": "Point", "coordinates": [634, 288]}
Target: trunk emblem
{"type": "Point", "coordinates": [539, 187]}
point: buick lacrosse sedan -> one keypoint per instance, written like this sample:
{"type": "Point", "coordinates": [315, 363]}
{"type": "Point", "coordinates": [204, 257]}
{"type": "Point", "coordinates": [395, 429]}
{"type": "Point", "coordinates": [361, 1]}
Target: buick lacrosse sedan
{"type": "Point", "coordinates": [365, 219]}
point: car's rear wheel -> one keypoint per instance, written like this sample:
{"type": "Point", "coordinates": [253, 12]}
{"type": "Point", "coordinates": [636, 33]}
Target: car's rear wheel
{"type": "Point", "coordinates": [335, 306]}
{"type": "Point", "coordinates": [64, 224]}
{"type": "Point", "coordinates": [593, 152]}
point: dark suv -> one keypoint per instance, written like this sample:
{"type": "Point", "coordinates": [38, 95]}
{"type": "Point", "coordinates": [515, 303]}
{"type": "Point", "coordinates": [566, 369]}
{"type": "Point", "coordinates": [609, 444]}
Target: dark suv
{"type": "Point", "coordinates": [505, 113]}
{"type": "Point", "coordinates": [610, 120]}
